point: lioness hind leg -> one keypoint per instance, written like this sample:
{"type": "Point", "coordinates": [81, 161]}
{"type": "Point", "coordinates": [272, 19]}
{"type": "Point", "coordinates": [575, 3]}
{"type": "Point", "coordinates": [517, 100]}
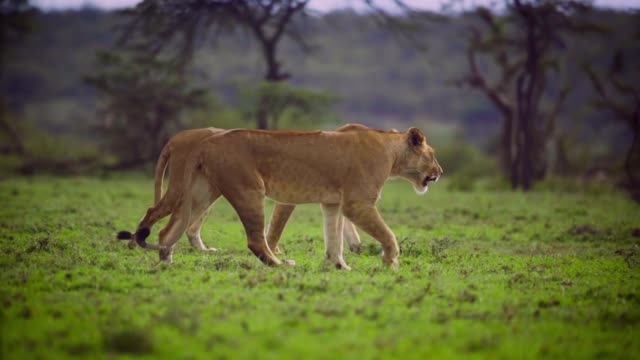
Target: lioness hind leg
{"type": "Point", "coordinates": [352, 237]}
{"type": "Point", "coordinates": [201, 196]}
{"type": "Point", "coordinates": [366, 217]}
{"type": "Point", "coordinates": [333, 235]}
{"type": "Point", "coordinates": [279, 218]}
{"type": "Point", "coordinates": [152, 216]}
{"type": "Point", "coordinates": [193, 233]}
{"type": "Point", "coordinates": [169, 235]}
{"type": "Point", "coordinates": [250, 208]}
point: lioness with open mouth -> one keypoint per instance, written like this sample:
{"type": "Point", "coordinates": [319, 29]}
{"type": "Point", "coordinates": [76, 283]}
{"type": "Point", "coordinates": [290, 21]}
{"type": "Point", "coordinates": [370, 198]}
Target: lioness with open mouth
{"type": "Point", "coordinates": [343, 171]}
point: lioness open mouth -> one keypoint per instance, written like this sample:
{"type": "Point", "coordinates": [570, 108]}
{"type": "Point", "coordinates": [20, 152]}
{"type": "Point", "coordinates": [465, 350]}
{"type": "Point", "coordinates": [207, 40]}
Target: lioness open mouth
{"type": "Point", "coordinates": [426, 180]}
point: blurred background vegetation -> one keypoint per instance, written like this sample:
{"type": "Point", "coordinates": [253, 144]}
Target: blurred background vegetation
{"type": "Point", "coordinates": [527, 94]}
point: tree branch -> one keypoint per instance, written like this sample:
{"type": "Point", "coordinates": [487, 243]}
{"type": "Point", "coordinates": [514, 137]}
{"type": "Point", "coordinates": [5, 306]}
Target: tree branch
{"type": "Point", "coordinates": [477, 79]}
{"type": "Point", "coordinates": [289, 11]}
{"type": "Point", "coordinates": [607, 101]}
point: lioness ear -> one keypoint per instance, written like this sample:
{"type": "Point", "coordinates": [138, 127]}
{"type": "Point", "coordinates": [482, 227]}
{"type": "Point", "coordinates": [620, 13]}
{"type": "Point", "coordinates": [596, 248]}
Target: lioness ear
{"type": "Point", "coordinates": [415, 137]}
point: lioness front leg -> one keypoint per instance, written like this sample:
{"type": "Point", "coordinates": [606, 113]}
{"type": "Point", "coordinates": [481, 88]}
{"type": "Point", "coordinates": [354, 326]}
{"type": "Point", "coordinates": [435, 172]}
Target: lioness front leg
{"type": "Point", "coordinates": [279, 218]}
{"type": "Point", "coordinates": [367, 217]}
{"type": "Point", "coordinates": [333, 221]}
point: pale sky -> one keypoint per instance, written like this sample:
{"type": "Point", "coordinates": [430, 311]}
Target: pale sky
{"type": "Point", "coordinates": [321, 5]}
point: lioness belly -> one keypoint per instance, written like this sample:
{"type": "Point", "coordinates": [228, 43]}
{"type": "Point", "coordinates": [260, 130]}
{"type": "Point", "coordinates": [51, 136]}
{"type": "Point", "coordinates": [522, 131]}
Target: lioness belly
{"type": "Point", "coordinates": [296, 193]}
{"type": "Point", "coordinates": [294, 179]}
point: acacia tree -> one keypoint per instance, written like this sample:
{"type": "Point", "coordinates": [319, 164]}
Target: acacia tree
{"type": "Point", "coordinates": [276, 99]}
{"type": "Point", "coordinates": [523, 45]}
{"type": "Point", "coordinates": [180, 25]}
{"type": "Point", "coordinates": [161, 24]}
{"type": "Point", "coordinates": [143, 100]}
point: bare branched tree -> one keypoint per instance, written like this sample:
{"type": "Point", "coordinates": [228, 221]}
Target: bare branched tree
{"type": "Point", "coordinates": [177, 26]}
{"type": "Point", "coordinates": [157, 25]}
{"type": "Point", "coordinates": [618, 91]}
{"type": "Point", "coordinates": [524, 45]}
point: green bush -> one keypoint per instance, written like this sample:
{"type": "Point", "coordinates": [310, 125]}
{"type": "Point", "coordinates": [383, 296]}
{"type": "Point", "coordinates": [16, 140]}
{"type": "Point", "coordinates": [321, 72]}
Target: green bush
{"type": "Point", "coordinates": [216, 114]}
{"type": "Point", "coordinates": [48, 153]}
{"type": "Point", "coordinates": [465, 165]}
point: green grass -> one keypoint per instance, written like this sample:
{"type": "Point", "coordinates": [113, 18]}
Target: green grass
{"type": "Point", "coordinates": [486, 274]}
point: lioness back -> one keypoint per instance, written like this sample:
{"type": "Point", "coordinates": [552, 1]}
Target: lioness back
{"type": "Point", "coordinates": [296, 166]}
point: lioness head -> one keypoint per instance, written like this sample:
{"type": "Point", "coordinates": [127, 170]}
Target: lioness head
{"type": "Point", "coordinates": [419, 165]}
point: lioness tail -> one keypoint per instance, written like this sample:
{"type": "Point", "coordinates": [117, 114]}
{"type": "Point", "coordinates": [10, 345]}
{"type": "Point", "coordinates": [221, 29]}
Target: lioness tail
{"type": "Point", "coordinates": [124, 235]}
{"type": "Point", "coordinates": [161, 167]}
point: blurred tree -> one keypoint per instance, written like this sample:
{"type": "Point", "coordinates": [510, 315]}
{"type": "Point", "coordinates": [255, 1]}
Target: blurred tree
{"type": "Point", "coordinates": [144, 100]}
{"type": "Point", "coordinates": [183, 22]}
{"type": "Point", "coordinates": [277, 98]}
{"type": "Point", "coordinates": [15, 23]}
{"type": "Point", "coordinates": [524, 45]}
{"type": "Point", "coordinates": [180, 24]}
{"type": "Point", "coordinates": [618, 90]}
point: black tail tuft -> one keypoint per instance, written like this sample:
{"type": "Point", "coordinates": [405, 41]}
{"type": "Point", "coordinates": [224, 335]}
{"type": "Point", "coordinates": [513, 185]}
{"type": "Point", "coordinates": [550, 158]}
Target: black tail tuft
{"type": "Point", "coordinates": [125, 235]}
{"type": "Point", "coordinates": [141, 236]}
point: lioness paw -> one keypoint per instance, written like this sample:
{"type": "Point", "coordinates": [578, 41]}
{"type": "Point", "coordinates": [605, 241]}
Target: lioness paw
{"type": "Point", "coordinates": [339, 264]}
{"type": "Point", "coordinates": [392, 263]}
{"type": "Point", "coordinates": [356, 248]}
{"type": "Point", "coordinates": [210, 249]}
{"type": "Point", "coordinates": [289, 262]}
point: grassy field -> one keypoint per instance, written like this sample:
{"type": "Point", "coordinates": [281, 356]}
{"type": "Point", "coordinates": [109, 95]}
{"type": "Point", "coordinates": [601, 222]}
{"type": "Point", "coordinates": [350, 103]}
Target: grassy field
{"type": "Point", "coordinates": [487, 274]}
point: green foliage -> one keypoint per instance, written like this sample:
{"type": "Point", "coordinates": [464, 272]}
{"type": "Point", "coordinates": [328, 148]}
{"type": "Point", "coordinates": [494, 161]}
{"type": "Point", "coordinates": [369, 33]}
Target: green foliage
{"type": "Point", "coordinates": [43, 152]}
{"type": "Point", "coordinates": [466, 165]}
{"type": "Point", "coordinates": [286, 106]}
{"type": "Point", "coordinates": [483, 274]}
{"type": "Point", "coordinates": [216, 114]}
{"type": "Point", "coordinates": [145, 97]}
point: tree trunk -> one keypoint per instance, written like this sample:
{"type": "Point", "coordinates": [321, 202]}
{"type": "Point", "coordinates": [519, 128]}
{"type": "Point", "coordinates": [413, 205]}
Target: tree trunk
{"type": "Point", "coordinates": [17, 146]}
{"type": "Point", "coordinates": [630, 167]}
{"type": "Point", "coordinates": [507, 152]}
{"type": "Point", "coordinates": [510, 150]}
{"type": "Point", "coordinates": [526, 96]}
{"type": "Point", "coordinates": [273, 74]}
{"type": "Point", "coordinates": [517, 157]}
{"type": "Point", "coordinates": [527, 165]}
{"type": "Point", "coordinates": [262, 121]}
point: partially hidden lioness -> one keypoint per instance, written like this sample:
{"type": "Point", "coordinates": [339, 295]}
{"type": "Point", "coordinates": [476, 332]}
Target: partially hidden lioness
{"type": "Point", "coordinates": [174, 155]}
{"type": "Point", "coordinates": [343, 171]}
